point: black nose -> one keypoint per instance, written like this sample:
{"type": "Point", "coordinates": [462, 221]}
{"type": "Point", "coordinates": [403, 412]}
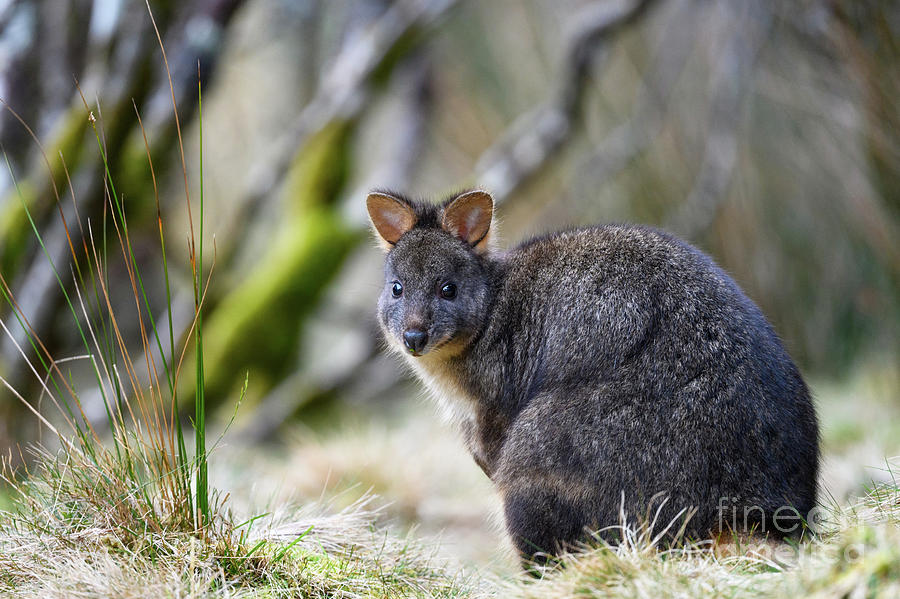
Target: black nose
{"type": "Point", "coordinates": [415, 340]}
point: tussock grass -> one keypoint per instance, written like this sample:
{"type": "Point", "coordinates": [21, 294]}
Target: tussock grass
{"type": "Point", "coordinates": [53, 547]}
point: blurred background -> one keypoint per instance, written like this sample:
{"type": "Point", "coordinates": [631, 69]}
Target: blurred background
{"type": "Point", "coordinates": [767, 133]}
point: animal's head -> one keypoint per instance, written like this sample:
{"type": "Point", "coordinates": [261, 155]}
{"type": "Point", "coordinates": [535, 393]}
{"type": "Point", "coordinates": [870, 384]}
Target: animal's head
{"type": "Point", "coordinates": [436, 276]}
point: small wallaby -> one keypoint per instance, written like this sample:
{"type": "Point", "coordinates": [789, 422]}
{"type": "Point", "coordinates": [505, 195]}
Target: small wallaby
{"type": "Point", "coordinates": [597, 372]}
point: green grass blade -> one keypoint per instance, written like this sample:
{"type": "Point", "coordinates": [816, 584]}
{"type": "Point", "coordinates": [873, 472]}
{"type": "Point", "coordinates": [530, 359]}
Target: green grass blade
{"type": "Point", "coordinates": [200, 400]}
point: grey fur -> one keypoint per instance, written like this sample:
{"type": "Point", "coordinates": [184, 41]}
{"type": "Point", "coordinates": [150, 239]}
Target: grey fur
{"type": "Point", "coordinates": [605, 368]}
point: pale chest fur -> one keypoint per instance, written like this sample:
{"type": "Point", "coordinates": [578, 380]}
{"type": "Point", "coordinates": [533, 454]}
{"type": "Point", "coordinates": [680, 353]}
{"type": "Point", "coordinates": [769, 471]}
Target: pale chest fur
{"type": "Point", "coordinates": [455, 403]}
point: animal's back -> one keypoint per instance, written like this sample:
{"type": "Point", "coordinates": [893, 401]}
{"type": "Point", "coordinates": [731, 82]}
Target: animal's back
{"type": "Point", "coordinates": [628, 364]}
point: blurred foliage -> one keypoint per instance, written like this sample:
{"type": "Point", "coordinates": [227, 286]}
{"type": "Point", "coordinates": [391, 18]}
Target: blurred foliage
{"type": "Point", "coordinates": [767, 133]}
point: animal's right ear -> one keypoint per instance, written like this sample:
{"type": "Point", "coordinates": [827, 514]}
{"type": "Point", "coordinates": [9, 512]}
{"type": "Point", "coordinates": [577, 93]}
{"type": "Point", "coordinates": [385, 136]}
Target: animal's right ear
{"type": "Point", "coordinates": [469, 216]}
{"type": "Point", "coordinates": [391, 217]}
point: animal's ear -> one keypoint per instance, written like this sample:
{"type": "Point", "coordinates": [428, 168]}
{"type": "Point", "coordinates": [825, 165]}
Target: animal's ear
{"type": "Point", "coordinates": [468, 216]}
{"type": "Point", "coordinates": [391, 217]}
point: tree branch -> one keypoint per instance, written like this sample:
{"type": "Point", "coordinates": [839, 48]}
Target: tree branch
{"type": "Point", "coordinates": [533, 139]}
{"type": "Point", "coordinates": [343, 87]}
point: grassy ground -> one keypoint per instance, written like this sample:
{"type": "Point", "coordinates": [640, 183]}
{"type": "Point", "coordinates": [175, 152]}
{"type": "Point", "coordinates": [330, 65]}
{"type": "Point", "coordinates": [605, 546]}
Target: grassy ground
{"type": "Point", "coordinates": [353, 560]}
{"type": "Point", "coordinates": [54, 548]}
{"type": "Point", "coordinates": [432, 530]}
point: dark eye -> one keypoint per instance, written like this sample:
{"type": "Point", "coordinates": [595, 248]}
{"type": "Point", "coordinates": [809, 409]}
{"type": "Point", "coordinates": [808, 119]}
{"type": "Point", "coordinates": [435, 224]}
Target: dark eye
{"type": "Point", "coordinates": [396, 289]}
{"type": "Point", "coordinates": [448, 291]}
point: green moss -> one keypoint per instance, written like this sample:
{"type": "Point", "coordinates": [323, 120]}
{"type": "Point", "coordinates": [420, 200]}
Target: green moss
{"type": "Point", "coordinates": [36, 191]}
{"type": "Point", "coordinates": [257, 325]}
{"type": "Point", "coordinates": [15, 231]}
{"type": "Point", "coordinates": [320, 170]}
{"type": "Point", "coordinates": [69, 142]}
{"type": "Point", "coordinates": [134, 179]}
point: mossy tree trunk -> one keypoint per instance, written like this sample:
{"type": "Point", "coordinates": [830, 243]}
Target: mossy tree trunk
{"type": "Point", "coordinates": [256, 327]}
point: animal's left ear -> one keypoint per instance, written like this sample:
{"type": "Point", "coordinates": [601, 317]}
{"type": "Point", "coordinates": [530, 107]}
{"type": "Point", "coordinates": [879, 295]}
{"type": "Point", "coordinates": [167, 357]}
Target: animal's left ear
{"type": "Point", "coordinates": [391, 217]}
{"type": "Point", "coordinates": [468, 216]}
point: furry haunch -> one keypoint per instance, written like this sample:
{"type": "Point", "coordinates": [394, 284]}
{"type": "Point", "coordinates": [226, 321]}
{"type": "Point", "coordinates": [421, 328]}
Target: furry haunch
{"type": "Point", "coordinates": [599, 370]}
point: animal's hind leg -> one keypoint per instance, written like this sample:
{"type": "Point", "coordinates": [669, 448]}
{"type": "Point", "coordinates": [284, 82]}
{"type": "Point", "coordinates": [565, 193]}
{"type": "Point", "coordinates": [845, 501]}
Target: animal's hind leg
{"type": "Point", "coordinates": [542, 522]}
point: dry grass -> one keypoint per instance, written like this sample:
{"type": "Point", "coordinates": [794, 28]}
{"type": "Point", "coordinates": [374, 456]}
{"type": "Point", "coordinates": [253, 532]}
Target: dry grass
{"type": "Point", "coordinates": [425, 479]}
{"type": "Point", "coordinates": [83, 526]}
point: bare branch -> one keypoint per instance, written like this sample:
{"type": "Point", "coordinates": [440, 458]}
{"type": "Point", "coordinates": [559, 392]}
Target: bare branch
{"type": "Point", "coordinates": [343, 87]}
{"type": "Point", "coordinates": [535, 137]}
{"type": "Point", "coordinates": [630, 138]}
